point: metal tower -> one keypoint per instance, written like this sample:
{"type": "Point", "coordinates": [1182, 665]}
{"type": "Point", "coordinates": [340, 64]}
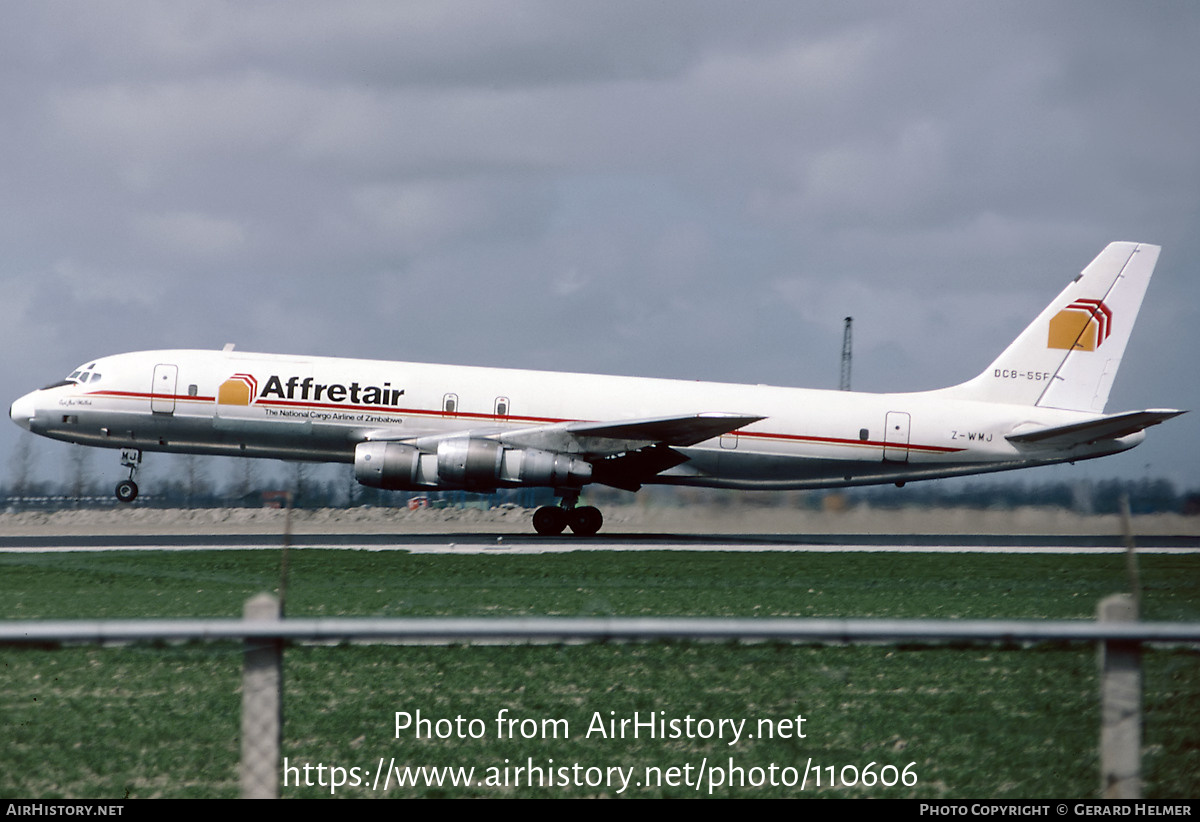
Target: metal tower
{"type": "Point", "coordinates": [844, 384]}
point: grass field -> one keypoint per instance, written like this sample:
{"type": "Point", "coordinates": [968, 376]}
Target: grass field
{"type": "Point", "coordinates": [984, 721]}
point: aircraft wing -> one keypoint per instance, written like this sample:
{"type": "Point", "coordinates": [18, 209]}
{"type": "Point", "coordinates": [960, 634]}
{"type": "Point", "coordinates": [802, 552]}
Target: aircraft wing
{"type": "Point", "coordinates": [615, 437]}
{"type": "Point", "coordinates": [626, 453]}
{"type": "Point", "coordinates": [1109, 427]}
{"type": "Point", "coordinates": [623, 453]}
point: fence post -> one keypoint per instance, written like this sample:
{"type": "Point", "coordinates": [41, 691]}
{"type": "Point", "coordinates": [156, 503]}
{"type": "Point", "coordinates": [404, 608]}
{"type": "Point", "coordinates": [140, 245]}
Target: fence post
{"type": "Point", "coordinates": [262, 680]}
{"type": "Point", "coordinates": [1120, 705]}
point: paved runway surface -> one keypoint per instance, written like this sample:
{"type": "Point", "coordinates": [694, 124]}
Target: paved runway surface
{"type": "Point", "coordinates": [478, 543]}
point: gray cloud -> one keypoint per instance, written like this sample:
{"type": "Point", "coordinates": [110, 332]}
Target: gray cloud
{"type": "Point", "coordinates": [699, 190]}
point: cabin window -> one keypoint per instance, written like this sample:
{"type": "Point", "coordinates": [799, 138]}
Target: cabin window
{"type": "Point", "coordinates": [864, 434]}
{"type": "Point", "coordinates": [501, 406]}
{"type": "Point", "coordinates": [193, 390]}
{"type": "Point", "coordinates": [450, 403]}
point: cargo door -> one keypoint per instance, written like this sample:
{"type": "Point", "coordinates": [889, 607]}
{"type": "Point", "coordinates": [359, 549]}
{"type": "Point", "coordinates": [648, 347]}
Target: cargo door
{"type": "Point", "coordinates": [278, 407]}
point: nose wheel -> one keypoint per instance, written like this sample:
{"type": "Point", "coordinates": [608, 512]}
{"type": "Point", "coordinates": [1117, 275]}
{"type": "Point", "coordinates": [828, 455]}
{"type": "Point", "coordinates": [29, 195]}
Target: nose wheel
{"type": "Point", "coordinates": [584, 521]}
{"type": "Point", "coordinates": [127, 490]}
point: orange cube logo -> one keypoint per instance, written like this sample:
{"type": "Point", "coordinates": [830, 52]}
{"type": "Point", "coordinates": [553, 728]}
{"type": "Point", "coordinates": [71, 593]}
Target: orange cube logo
{"type": "Point", "coordinates": [240, 389]}
{"type": "Point", "coordinates": [1083, 325]}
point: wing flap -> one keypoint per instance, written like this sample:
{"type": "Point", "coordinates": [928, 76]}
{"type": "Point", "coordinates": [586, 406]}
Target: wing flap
{"type": "Point", "coordinates": [1110, 427]}
{"type": "Point", "coordinates": [629, 470]}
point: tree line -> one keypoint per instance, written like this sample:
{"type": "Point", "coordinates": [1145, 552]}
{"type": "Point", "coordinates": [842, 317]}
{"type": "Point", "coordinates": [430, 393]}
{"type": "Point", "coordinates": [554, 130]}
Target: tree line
{"type": "Point", "coordinates": [173, 481]}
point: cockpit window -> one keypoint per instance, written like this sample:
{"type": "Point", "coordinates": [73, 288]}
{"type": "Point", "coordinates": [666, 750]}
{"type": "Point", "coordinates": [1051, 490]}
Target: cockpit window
{"type": "Point", "coordinates": [81, 375]}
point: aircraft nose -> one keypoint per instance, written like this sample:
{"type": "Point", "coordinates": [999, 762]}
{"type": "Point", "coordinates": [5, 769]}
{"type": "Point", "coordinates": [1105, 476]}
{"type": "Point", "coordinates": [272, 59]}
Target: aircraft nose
{"type": "Point", "coordinates": [22, 411]}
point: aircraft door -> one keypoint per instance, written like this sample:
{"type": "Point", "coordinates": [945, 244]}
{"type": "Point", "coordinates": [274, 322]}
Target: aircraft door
{"type": "Point", "coordinates": [895, 437]}
{"type": "Point", "coordinates": [162, 388]}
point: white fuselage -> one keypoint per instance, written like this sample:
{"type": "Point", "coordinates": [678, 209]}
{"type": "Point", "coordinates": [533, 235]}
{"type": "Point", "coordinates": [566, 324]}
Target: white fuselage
{"type": "Point", "coordinates": [320, 409]}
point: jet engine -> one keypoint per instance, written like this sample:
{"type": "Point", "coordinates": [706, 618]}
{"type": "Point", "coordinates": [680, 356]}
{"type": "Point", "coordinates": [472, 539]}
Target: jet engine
{"type": "Point", "coordinates": [466, 463]}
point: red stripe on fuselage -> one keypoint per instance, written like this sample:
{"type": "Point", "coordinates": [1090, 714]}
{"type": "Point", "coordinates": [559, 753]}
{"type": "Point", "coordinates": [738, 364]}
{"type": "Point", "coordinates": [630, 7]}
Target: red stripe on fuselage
{"type": "Point", "coordinates": [417, 412]}
{"type": "Point", "coordinates": [139, 395]}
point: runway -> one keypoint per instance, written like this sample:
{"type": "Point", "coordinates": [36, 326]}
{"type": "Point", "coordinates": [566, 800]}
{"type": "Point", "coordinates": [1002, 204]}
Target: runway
{"type": "Point", "coordinates": [474, 543]}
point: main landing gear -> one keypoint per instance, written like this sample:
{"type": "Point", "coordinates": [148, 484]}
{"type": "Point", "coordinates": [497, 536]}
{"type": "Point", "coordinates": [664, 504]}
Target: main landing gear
{"type": "Point", "coordinates": [127, 490]}
{"type": "Point", "coordinates": [550, 520]}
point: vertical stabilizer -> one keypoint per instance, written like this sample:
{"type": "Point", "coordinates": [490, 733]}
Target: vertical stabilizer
{"type": "Point", "coordinates": [1067, 358]}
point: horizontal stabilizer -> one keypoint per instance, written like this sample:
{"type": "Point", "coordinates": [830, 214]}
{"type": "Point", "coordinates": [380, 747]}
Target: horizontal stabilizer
{"type": "Point", "coordinates": [1102, 428]}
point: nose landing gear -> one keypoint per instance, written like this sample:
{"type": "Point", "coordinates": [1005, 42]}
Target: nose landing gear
{"type": "Point", "coordinates": [127, 490]}
{"type": "Point", "coordinates": [550, 520]}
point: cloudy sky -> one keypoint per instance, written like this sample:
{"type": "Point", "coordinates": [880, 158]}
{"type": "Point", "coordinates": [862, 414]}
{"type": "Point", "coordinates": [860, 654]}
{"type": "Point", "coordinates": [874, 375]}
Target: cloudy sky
{"type": "Point", "coordinates": [674, 189]}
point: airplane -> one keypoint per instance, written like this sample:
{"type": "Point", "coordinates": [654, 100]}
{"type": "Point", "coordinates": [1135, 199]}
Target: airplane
{"type": "Point", "coordinates": [420, 427]}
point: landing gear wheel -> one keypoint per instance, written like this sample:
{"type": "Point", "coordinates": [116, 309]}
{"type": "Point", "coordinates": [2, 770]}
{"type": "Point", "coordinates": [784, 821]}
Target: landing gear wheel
{"type": "Point", "coordinates": [127, 491]}
{"type": "Point", "coordinates": [586, 521]}
{"type": "Point", "coordinates": [549, 520]}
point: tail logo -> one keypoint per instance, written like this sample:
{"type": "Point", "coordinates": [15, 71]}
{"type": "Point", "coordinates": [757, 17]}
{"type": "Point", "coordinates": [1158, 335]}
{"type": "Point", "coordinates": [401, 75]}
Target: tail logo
{"type": "Point", "coordinates": [1083, 325]}
{"type": "Point", "coordinates": [240, 389]}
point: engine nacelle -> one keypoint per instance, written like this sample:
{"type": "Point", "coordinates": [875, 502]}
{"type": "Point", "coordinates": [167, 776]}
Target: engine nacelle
{"type": "Point", "coordinates": [467, 463]}
{"type": "Point", "coordinates": [390, 465]}
{"type": "Point", "coordinates": [545, 468]}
